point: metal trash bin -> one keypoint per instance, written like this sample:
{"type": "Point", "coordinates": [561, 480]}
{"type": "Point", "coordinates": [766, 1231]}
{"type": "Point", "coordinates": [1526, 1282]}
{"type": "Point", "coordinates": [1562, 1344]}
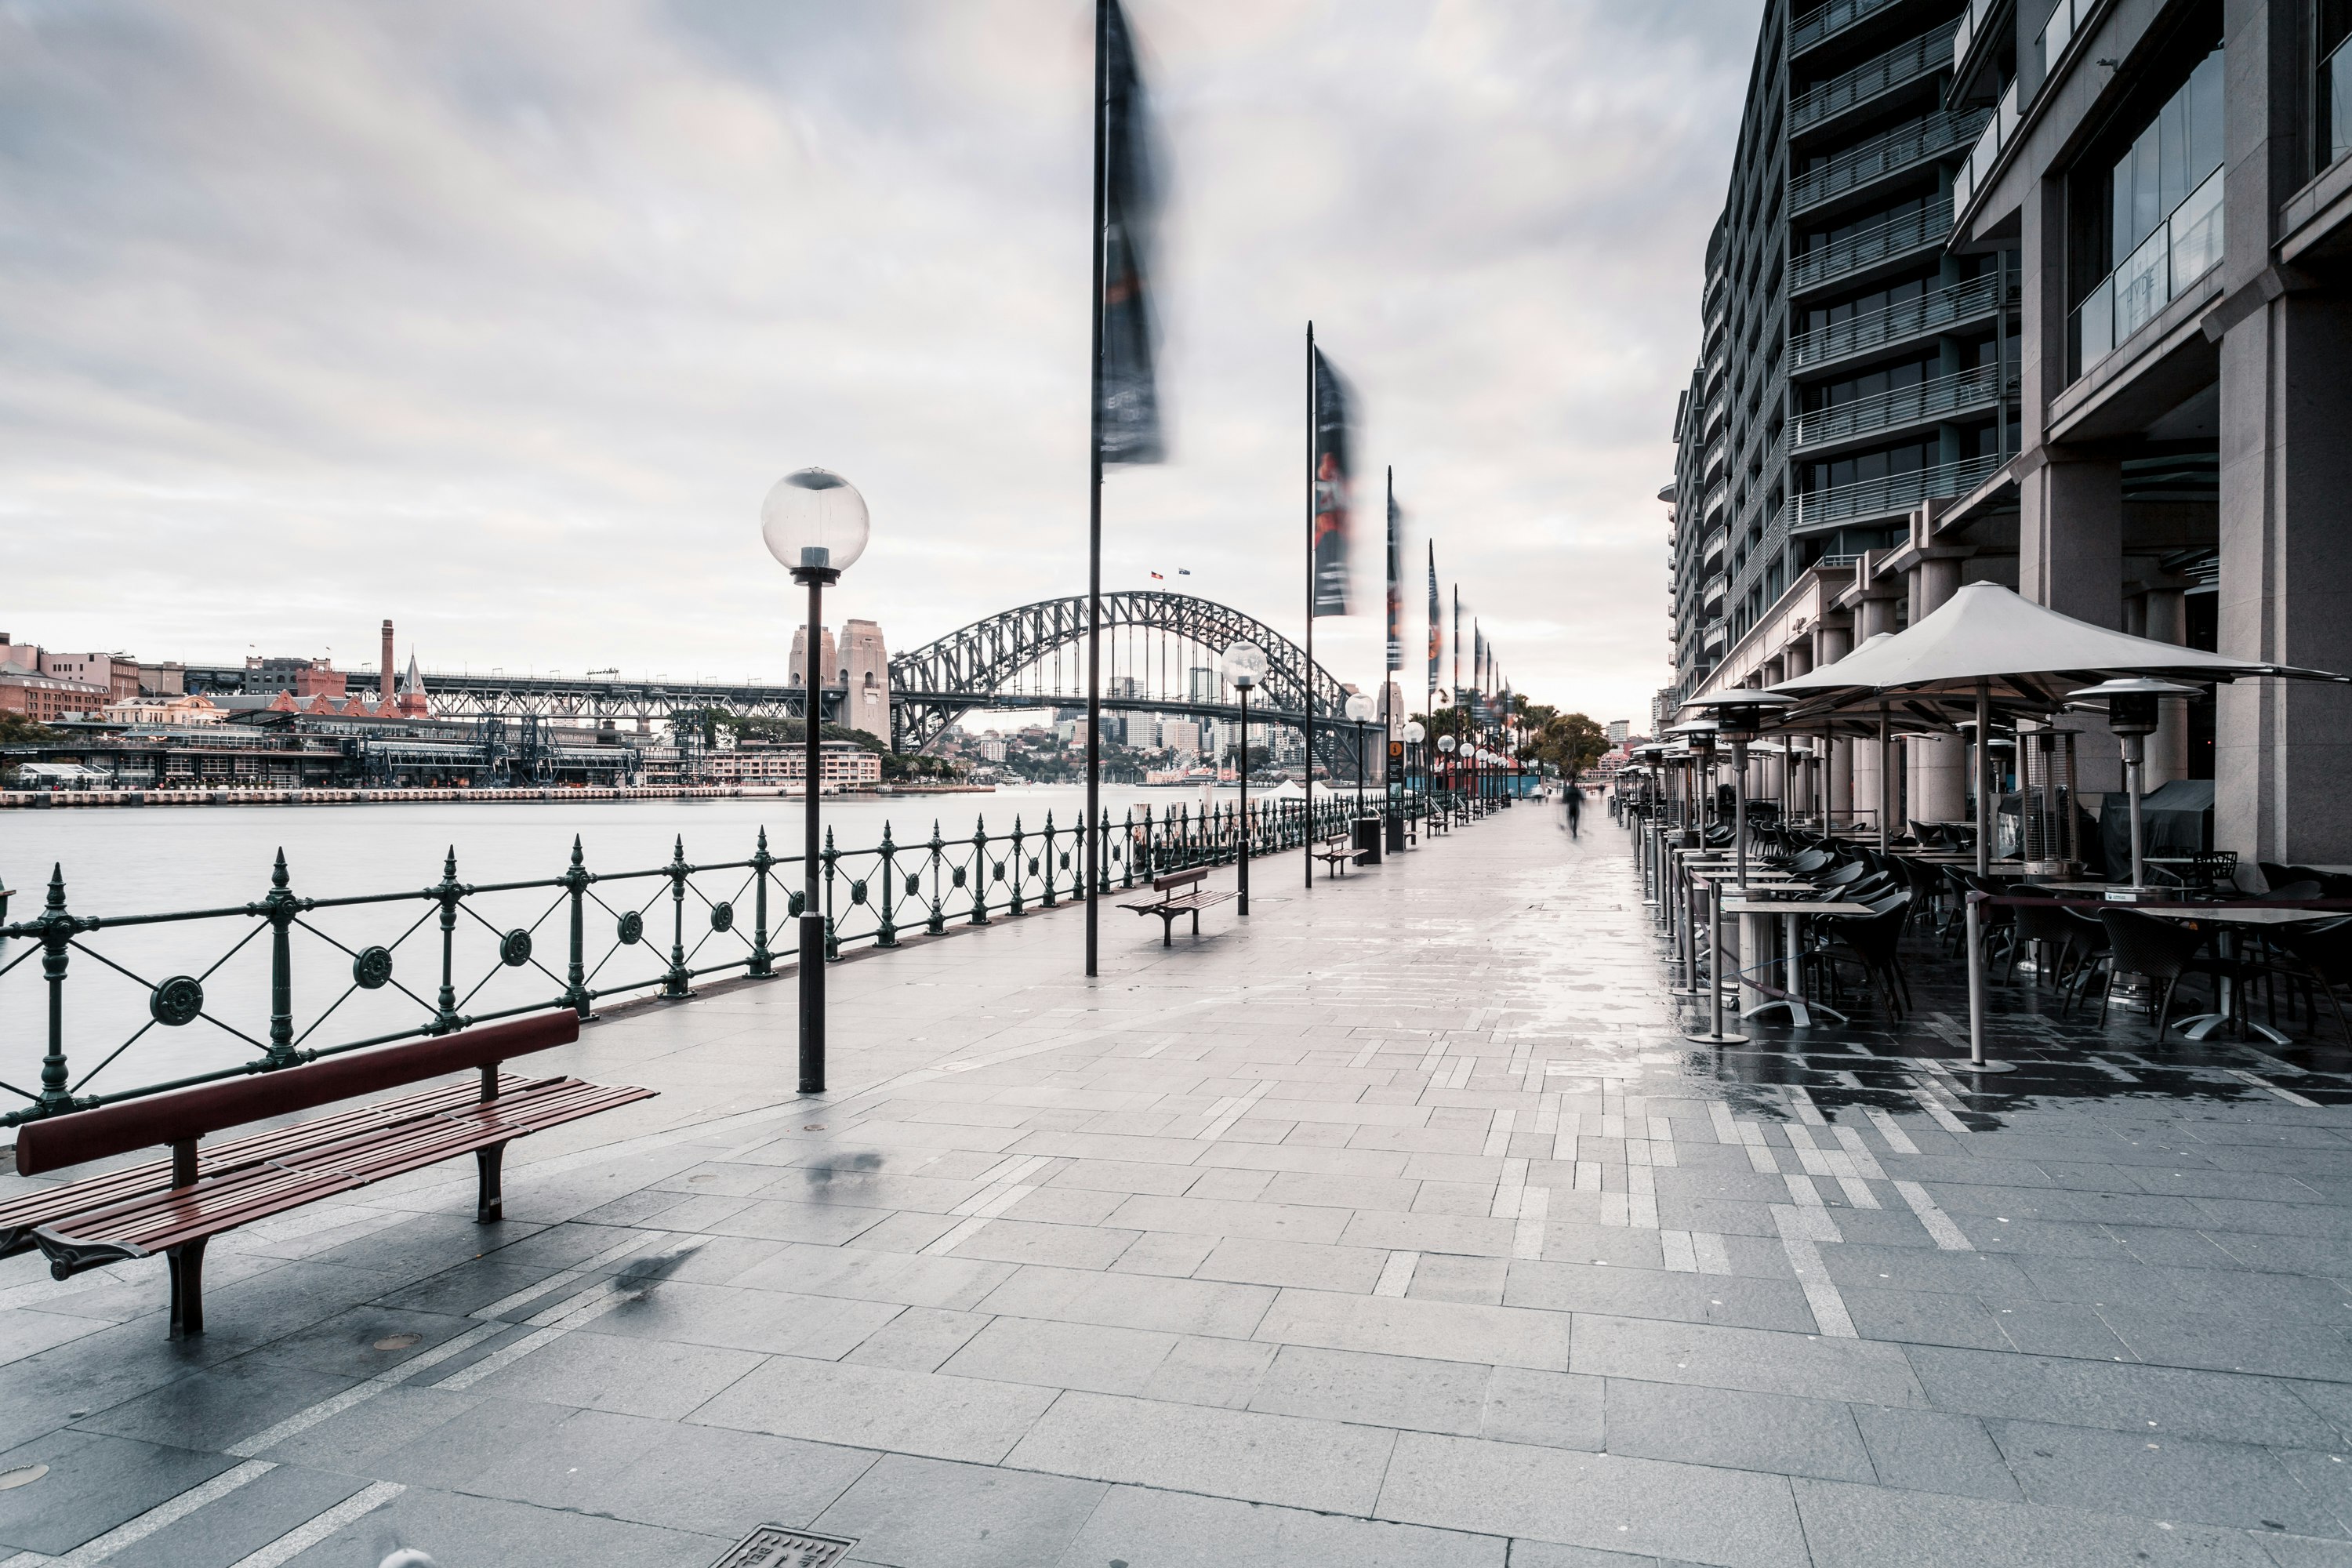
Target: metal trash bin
{"type": "Point", "coordinates": [1395, 838]}
{"type": "Point", "coordinates": [1368, 841]}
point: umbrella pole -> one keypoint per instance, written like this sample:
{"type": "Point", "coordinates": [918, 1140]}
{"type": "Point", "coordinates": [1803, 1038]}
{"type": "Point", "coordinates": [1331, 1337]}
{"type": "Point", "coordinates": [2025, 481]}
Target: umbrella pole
{"type": "Point", "coordinates": [1984, 786]}
{"type": "Point", "coordinates": [1885, 779]}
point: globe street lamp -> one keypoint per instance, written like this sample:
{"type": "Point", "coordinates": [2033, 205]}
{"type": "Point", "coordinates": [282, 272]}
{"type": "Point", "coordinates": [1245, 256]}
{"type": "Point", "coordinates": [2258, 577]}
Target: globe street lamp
{"type": "Point", "coordinates": [1244, 666]}
{"type": "Point", "coordinates": [1360, 708]}
{"type": "Point", "coordinates": [815, 522]}
{"type": "Point", "coordinates": [1447, 745]}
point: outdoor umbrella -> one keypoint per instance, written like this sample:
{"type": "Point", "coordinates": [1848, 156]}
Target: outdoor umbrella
{"type": "Point", "coordinates": [1988, 647]}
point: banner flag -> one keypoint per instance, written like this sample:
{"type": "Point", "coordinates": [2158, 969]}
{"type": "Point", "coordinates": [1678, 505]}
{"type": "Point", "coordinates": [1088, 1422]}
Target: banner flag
{"type": "Point", "coordinates": [1332, 413]}
{"type": "Point", "coordinates": [1124, 380]}
{"type": "Point", "coordinates": [1396, 580]}
{"type": "Point", "coordinates": [1436, 617]}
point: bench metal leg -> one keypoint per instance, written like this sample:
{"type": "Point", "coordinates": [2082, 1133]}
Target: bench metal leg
{"type": "Point", "coordinates": [186, 1264]}
{"type": "Point", "coordinates": [491, 1207]}
{"type": "Point", "coordinates": [1167, 930]}
{"type": "Point", "coordinates": [1196, 922]}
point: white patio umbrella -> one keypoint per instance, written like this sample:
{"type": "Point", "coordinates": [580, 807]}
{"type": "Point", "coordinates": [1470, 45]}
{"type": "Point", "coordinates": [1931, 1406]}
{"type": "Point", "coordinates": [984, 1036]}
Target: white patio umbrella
{"type": "Point", "coordinates": [1989, 647]}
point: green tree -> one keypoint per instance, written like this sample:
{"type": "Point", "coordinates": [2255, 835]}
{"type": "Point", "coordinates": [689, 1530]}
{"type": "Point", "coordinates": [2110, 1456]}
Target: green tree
{"type": "Point", "coordinates": [23, 730]}
{"type": "Point", "coordinates": [1569, 742]}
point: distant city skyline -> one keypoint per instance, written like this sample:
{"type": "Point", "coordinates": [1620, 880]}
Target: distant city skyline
{"type": "Point", "coordinates": [502, 326]}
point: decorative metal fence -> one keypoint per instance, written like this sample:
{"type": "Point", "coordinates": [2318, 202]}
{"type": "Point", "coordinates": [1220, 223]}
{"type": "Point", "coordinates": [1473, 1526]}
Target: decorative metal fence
{"type": "Point", "coordinates": [138, 980]}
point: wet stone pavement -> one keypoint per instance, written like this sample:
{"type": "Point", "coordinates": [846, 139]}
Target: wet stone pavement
{"type": "Point", "coordinates": [1401, 1228]}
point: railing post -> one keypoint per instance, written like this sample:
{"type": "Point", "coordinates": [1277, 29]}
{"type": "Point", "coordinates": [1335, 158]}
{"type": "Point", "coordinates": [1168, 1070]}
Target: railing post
{"type": "Point", "coordinates": [764, 958]}
{"type": "Point", "coordinates": [57, 930]}
{"type": "Point", "coordinates": [938, 923]}
{"type": "Point", "coordinates": [832, 864]}
{"type": "Point", "coordinates": [1102, 862]}
{"type": "Point", "coordinates": [280, 906]}
{"type": "Point", "coordinates": [575, 884]}
{"type": "Point", "coordinates": [1047, 898]}
{"type": "Point", "coordinates": [1019, 866]}
{"type": "Point", "coordinates": [448, 894]}
{"type": "Point", "coordinates": [674, 984]}
{"type": "Point", "coordinates": [979, 871]}
{"type": "Point", "coordinates": [887, 935]}
{"type": "Point", "coordinates": [1126, 865]}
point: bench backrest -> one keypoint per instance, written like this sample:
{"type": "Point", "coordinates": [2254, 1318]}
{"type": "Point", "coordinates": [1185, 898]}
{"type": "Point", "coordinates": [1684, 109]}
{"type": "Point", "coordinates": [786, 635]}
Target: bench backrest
{"type": "Point", "coordinates": [1178, 880]}
{"type": "Point", "coordinates": [191, 1113]}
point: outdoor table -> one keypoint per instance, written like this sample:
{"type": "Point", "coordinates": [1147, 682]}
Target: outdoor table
{"type": "Point", "coordinates": [1755, 918]}
{"type": "Point", "coordinates": [2225, 921]}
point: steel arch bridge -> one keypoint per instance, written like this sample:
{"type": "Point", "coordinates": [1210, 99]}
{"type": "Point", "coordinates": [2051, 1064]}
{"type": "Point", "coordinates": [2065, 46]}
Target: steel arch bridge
{"type": "Point", "coordinates": [979, 666]}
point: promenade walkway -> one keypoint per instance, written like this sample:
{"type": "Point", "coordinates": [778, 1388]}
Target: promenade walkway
{"type": "Point", "coordinates": [1397, 1225]}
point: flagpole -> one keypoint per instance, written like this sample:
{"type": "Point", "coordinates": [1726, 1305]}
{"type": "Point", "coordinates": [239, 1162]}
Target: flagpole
{"type": "Point", "coordinates": [1308, 683]}
{"type": "Point", "coordinates": [1094, 504]}
{"type": "Point", "coordinates": [1393, 615]}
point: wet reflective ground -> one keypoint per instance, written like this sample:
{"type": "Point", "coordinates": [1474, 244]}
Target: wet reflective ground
{"type": "Point", "coordinates": [1398, 1224]}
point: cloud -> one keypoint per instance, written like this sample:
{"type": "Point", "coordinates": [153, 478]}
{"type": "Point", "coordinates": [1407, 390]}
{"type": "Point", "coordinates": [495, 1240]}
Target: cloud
{"type": "Point", "coordinates": [500, 319]}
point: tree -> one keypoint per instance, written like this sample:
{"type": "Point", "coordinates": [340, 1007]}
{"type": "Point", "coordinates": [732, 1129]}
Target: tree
{"type": "Point", "coordinates": [24, 730]}
{"type": "Point", "coordinates": [1569, 742]}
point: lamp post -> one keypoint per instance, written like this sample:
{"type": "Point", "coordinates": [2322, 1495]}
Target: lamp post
{"type": "Point", "coordinates": [815, 522]}
{"type": "Point", "coordinates": [1359, 709]}
{"type": "Point", "coordinates": [1446, 748]}
{"type": "Point", "coordinates": [2132, 707]}
{"type": "Point", "coordinates": [1414, 736]}
{"type": "Point", "coordinates": [1245, 666]}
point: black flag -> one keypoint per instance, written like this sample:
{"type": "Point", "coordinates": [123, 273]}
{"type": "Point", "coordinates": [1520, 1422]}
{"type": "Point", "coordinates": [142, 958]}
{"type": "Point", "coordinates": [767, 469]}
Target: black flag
{"type": "Point", "coordinates": [1436, 614]}
{"type": "Point", "coordinates": [1332, 412]}
{"type": "Point", "coordinates": [1125, 381]}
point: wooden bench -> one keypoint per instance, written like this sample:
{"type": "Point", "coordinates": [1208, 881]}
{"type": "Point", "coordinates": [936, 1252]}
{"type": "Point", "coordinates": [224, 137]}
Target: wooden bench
{"type": "Point", "coordinates": [1170, 903]}
{"type": "Point", "coordinates": [176, 1205]}
{"type": "Point", "coordinates": [1336, 854]}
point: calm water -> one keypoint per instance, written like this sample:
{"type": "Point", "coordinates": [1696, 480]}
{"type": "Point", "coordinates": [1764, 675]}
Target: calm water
{"type": "Point", "coordinates": [160, 858]}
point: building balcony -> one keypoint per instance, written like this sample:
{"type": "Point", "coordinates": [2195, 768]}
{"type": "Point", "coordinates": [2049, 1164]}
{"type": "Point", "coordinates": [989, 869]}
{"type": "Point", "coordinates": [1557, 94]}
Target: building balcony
{"type": "Point", "coordinates": [1939, 310]}
{"type": "Point", "coordinates": [1994, 137]}
{"type": "Point", "coordinates": [1978, 42]}
{"type": "Point", "coordinates": [2184, 247]}
{"type": "Point", "coordinates": [1923, 57]}
{"type": "Point", "coordinates": [1822, 23]}
{"type": "Point", "coordinates": [2060, 33]}
{"type": "Point", "coordinates": [1876, 247]}
{"type": "Point", "coordinates": [1945, 397]}
{"type": "Point", "coordinates": [1882, 157]}
{"type": "Point", "coordinates": [1714, 500]}
{"type": "Point", "coordinates": [1871, 499]}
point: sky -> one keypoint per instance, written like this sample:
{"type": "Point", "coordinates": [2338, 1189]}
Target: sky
{"type": "Point", "coordinates": [501, 318]}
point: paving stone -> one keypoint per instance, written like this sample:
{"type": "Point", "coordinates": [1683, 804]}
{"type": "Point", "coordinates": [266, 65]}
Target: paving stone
{"type": "Point", "coordinates": [1856, 1525]}
{"type": "Point", "coordinates": [95, 1481]}
{"type": "Point", "coordinates": [1063, 1355]}
{"type": "Point", "coordinates": [880, 1408]}
{"type": "Point", "coordinates": [1444, 1331]}
{"type": "Point", "coordinates": [929, 1513]}
{"type": "Point", "coordinates": [2121, 1397]}
{"type": "Point", "coordinates": [2160, 1475]}
{"type": "Point", "coordinates": [1374, 1390]}
{"type": "Point", "coordinates": [1746, 1431]}
{"type": "Point", "coordinates": [1285, 1459]}
{"type": "Point", "coordinates": [1753, 1359]}
{"type": "Point", "coordinates": [1146, 1528]}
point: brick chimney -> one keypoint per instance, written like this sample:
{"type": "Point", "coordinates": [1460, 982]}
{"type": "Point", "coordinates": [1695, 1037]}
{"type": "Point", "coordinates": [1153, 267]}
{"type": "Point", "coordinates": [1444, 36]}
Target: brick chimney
{"type": "Point", "coordinates": [383, 666]}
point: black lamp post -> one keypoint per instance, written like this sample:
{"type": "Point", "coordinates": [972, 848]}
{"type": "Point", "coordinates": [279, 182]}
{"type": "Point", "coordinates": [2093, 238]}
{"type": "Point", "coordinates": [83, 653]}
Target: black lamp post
{"type": "Point", "coordinates": [1359, 709]}
{"type": "Point", "coordinates": [1446, 748]}
{"type": "Point", "coordinates": [1414, 759]}
{"type": "Point", "coordinates": [1245, 666]}
{"type": "Point", "coordinates": [815, 522]}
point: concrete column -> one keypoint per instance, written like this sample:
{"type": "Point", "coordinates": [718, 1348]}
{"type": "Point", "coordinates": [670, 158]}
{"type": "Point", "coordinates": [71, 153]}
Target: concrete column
{"type": "Point", "coordinates": [2165, 616]}
{"type": "Point", "coordinates": [1831, 643]}
{"type": "Point", "coordinates": [2283, 749]}
{"type": "Point", "coordinates": [1938, 764]}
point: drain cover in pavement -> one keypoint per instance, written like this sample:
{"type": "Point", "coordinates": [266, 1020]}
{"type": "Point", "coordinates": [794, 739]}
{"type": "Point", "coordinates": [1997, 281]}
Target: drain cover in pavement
{"type": "Point", "coordinates": [774, 1546]}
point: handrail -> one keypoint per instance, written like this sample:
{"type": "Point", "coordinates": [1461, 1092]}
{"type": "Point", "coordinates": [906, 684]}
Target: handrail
{"type": "Point", "coordinates": [1909, 231]}
{"type": "Point", "coordinates": [477, 948]}
{"type": "Point", "coordinates": [1923, 55]}
{"type": "Point", "coordinates": [1823, 22]}
{"type": "Point", "coordinates": [1909, 318]}
{"type": "Point", "coordinates": [1897, 492]}
{"type": "Point", "coordinates": [1902, 148]}
{"type": "Point", "coordinates": [1925, 400]}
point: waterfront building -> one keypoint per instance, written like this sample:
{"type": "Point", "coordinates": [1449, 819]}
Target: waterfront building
{"type": "Point", "coordinates": [164, 712]}
{"type": "Point", "coordinates": [1850, 363]}
{"type": "Point", "coordinates": [759, 765]}
{"type": "Point", "coordinates": [299, 677]}
{"type": "Point", "coordinates": [2148, 233]}
{"type": "Point", "coordinates": [1618, 731]}
{"type": "Point", "coordinates": [117, 673]}
{"type": "Point", "coordinates": [45, 698]}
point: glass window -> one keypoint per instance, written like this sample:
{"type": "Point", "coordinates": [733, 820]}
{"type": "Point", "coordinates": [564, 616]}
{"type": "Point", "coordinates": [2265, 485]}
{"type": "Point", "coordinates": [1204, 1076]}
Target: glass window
{"type": "Point", "coordinates": [2168, 159]}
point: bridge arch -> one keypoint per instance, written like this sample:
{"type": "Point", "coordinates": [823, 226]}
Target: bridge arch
{"type": "Point", "coordinates": [934, 685]}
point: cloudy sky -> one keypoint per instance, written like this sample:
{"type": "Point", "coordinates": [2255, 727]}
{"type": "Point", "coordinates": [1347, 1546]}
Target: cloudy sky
{"type": "Point", "coordinates": [498, 319]}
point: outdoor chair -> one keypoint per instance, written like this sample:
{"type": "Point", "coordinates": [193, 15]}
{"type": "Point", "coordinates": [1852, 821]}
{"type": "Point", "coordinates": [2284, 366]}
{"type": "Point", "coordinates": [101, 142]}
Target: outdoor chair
{"type": "Point", "coordinates": [2159, 951]}
{"type": "Point", "coordinates": [2039, 920]}
{"type": "Point", "coordinates": [1810, 861]}
{"type": "Point", "coordinates": [2322, 954]}
{"type": "Point", "coordinates": [1928, 890]}
{"type": "Point", "coordinates": [1869, 941]}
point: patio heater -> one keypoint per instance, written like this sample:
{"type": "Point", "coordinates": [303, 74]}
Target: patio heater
{"type": "Point", "coordinates": [2045, 777]}
{"type": "Point", "coordinates": [1740, 714]}
{"type": "Point", "coordinates": [2132, 706]}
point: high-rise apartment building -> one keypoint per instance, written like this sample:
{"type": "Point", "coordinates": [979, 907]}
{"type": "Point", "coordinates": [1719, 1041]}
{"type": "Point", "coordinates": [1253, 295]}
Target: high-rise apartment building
{"type": "Point", "coordinates": [1851, 363]}
{"type": "Point", "coordinates": [2165, 189]}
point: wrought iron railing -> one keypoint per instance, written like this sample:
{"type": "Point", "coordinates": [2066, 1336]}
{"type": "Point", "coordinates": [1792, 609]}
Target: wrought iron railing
{"type": "Point", "coordinates": [483, 947]}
